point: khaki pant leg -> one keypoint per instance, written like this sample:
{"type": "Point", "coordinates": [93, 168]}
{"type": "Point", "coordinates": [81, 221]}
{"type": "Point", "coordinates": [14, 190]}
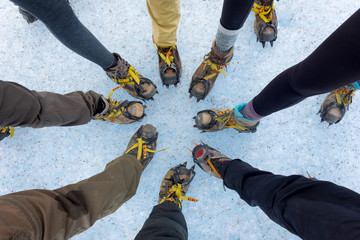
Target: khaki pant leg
{"type": "Point", "coordinates": [64, 212]}
{"type": "Point", "coordinates": [165, 16]}
{"type": "Point", "coordinates": [22, 107]}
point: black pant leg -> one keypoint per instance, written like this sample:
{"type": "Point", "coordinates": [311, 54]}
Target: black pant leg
{"type": "Point", "coordinates": [333, 64]}
{"type": "Point", "coordinates": [166, 222]}
{"type": "Point", "coordinates": [234, 13]}
{"type": "Point", "coordinates": [308, 208]}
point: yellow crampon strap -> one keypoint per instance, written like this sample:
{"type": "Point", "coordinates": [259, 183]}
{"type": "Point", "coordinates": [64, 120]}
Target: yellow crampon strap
{"type": "Point", "coordinates": [228, 121]}
{"type": "Point", "coordinates": [262, 11]}
{"type": "Point", "coordinates": [213, 168]}
{"type": "Point", "coordinates": [347, 99]}
{"type": "Point", "coordinates": [115, 112]}
{"type": "Point", "coordinates": [176, 189]}
{"type": "Point", "coordinates": [113, 90]}
{"type": "Point", "coordinates": [11, 131]}
{"type": "Point", "coordinates": [131, 78]}
{"type": "Point", "coordinates": [338, 98]}
{"type": "Point", "coordinates": [216, 68]}
{"type": "Point", "coordinates": [142, 149]}
{"type": "Point", "coordinates": [168, 58]}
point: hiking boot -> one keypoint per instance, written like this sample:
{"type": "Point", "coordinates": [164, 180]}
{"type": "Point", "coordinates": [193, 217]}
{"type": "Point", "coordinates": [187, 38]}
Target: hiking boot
{"type": "Point", "coordinates": [135, 84]}
{"type": "Point", "coordinates": [337, 103]}
{"type": "Point", "coordinates": [5, 132]}
{"type": "Point", "coordinates": [169, 65]}
{"type": "Point", "coordinates": [142, 145]}
{"type": "Point", "coordinates": [216, 119]}
{"type": "Point", "coordinates": [122, 112]}
{"type": "Point", "coordinates": [175, 185]}
{"type": "Point", "coordinates": [266, 22]}
{"type": "Point", "coordinates": [27, 16]}
{"type": "Point", "coordinates": [205, 75]}
{"type": "Point", "coordinates": [210, 160]}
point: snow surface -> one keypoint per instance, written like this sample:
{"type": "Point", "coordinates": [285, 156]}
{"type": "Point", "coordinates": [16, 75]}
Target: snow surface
{"type": "Point", "coordinates": [291, 141]}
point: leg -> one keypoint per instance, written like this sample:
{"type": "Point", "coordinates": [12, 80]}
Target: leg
{"type": "Point", "coordinates": [332, 65]}
{"type": "Point", "coordinates": [165, 16]}
{"type": "Point", "coordinates": [308, 208]}
{"type": "Point", "coordinates": [165, 220]}
{"type": "Point", "coordinates": [60, 19]}
{"type": "Point", "coordinates": [64, 212]}
{"type": "Point", "coordinates": [234, 14]}
{"type": "Point", "coordinates": [23, 107]}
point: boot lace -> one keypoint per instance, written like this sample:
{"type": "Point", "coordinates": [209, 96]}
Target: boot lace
{"type": "Point", "coordinates": [118, 109]}
{"type": "Point", "coordinates": [166, 53]}
{"type": "Point", "coordinates": [344, 95]}
{"type": "Point", "coordinates": [215, 63]}
{"type": "Point", "coordinates": [226, 119]}
{"type": "Point", "coordinates": [176, 193]}
{"type": "Point", "coordinates": [263, 11]}
{"type": "Point", "coordinates": [125, 74]}
{"type": "Point", "coordinates": [6, 130]}
{"type": "Point", "coordinates": [141, 145]}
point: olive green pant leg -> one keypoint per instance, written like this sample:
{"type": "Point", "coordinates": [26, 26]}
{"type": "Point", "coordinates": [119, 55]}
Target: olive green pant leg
{"type": "Point", "coordinates": [165, 17]}
{"type": "Point", "coordinates": [22, 107]}
{"type": "Point", "coordinates": [66, 211]}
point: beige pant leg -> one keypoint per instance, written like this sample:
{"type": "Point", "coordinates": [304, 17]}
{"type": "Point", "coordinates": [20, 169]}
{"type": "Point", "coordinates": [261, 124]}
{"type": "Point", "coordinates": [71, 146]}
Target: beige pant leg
{"type": "Point", "coordinates": [64, 212]}
{"type": "Point", "coordinates": [165, 16]}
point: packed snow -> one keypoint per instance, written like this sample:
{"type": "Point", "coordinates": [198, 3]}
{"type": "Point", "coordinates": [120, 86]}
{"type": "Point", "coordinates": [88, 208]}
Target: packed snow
{"type": "Point", "coordinates": [291, 141]}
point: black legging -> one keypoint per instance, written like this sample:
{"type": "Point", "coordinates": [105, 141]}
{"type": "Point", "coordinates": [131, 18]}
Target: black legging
{"type": "Point", "coordinates": [234, 13]}
{"type": "Point", "coordinates": [60, 19]}
{"type": "Point", "coordinates": [335, 63]}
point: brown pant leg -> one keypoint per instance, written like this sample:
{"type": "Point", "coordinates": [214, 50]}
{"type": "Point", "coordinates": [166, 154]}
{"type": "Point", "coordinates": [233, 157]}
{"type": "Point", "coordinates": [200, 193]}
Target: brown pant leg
{"type": "Point", "coordinates": [20, 106]}
{"type": "Point", "coordinates": [64, 212]}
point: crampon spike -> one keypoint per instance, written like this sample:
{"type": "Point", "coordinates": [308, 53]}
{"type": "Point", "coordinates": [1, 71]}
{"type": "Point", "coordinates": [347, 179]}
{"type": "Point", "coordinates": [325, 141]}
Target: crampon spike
{"type": "Point", "coordinates": [193, 167]}
{"type": "Point", "coordinates": [190, 150]}
{"type": "Point", "coordinates": [175, 85]}
{"type": "Point", "coordinates": [195, 126]}
{"type": "Point", "coordinates": [184, 164]}
{"type": "Point", "coordinates": [167, 86]}
{"type": "Point", "coordinates": [151, 98]}
{"type": "Point", "coordinates": [157, 92]}
{"type": "Point", "coordinates": [198, 100]}
{"type": "Point", "coordinates": [263, 44]}
{"type": "Point", "coordinates": [271, 43]}
{"type": "Point", "coordinates": [195, 144]}
{"type": "Point", "coordinates": [194, 117]}
{"type": "Point", "coordinates": [308, 174]}
{"type": "Point", "coordinates": [257, 39]}
{"type": "Point", "coordinates": [190, 96]}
